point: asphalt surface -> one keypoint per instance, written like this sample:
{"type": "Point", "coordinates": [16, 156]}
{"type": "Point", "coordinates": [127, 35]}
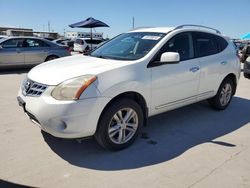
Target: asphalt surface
{"type": "Point", "coordinates": [193, 146]}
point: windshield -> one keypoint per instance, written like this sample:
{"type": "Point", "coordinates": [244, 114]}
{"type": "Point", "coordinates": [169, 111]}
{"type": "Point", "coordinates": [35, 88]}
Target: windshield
{"type": "Point", "coordinates": [128, 46]}
{"type": "Point", "coordinates": [2, 39]}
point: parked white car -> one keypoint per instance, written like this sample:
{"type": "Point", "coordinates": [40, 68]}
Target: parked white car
{"type": "Point", "coordinates": [111, 93]}
{"type": "Point", "coordinates": [84, 44]}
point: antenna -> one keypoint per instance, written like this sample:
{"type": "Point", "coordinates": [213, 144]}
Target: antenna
{"type": "Point", "coordinates": [133, 23]}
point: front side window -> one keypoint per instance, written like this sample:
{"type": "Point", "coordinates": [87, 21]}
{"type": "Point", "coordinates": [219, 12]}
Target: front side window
{"type": "Point", "coordinates": [181, 43]}
{"type": "Point", "coordinates": [128, 46]}
{"type": "Point", "coordinates": [12, 43]}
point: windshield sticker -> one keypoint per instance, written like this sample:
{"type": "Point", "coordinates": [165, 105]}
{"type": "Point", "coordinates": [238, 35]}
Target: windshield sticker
{"type": "Point", "coordinates": [148, 37]}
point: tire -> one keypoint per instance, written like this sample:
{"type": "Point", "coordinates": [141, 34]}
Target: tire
{"type": "Point", "coordinates": [246, 67]}
{"type": "Point", "coordinates": [113, 133]}
{"type": "Point", "coordinates": [247, 75]}
{"type": "Point", "coordinates": [224, 95]}
{"type": "Point", "coordinates": [49, 58]}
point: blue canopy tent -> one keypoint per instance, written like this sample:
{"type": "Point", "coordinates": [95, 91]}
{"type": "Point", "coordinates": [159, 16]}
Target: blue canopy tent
{"type": "Point", "coordinates": [245, 37]}
{"type": "Point", "coordinates": [89, 23]}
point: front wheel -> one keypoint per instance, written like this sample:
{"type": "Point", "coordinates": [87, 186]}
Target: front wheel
{"type": "Point", "coordinates": [224, 95]}
{"type": "Point", "coordinates": [119, 124]}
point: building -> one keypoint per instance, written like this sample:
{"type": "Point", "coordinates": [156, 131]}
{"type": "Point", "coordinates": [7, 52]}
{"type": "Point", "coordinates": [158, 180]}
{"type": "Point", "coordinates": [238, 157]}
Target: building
{"type": "Point", "coordinates": [3, 30]}
{"type": "Point", "coordinates": [26, 32]}
{"type": "Point", "coordinates": [75, 34]}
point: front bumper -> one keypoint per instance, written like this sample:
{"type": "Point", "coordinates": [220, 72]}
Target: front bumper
{"type": "Point", "coordinates": [65, 119]}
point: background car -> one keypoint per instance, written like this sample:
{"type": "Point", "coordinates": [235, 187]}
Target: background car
{"type": "Point", "coordinates": [28, 51]}
{"type": "Point", "coordinates": [69, 44]}
{"type": "Point", "coordinates": [3, 36]}
{"type": "Point", "coordinates": [247, 68]}
{"type": "Point", "coordinates": [84, 44]}
{"type": "Point", "coordinates": [244, 53]}
{"type": "Point", "coordinates": [60, 40]}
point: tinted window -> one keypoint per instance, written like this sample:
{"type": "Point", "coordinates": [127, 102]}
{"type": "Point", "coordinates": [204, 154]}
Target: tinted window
{"type": "Point", "coordinates": [222, 43]}
{"type": "Point", "coordinates": [79, 41]}
{"type": "Point", "coordinates": [181, 43]}
{"type": "Point", "coordinates": [34, 43]}
{"type": "Point", "coordinates": [12, 43]}
{"type": "Point", "coordinates": [205, 44]}
{"type": "Point", "coordinates": [93, 41]}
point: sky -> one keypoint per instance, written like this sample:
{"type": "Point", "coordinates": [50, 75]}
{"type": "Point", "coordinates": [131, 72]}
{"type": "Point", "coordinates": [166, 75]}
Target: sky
{"type": "Point", "coordinates": [231, 17]}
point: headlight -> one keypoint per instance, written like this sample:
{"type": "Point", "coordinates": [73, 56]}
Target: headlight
{"type": "Point", "coordinates": [73, 88]}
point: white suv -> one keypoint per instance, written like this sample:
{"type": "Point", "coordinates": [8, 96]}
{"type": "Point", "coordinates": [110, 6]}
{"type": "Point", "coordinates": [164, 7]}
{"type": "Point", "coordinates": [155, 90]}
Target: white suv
{"type": "Point", "coordinates": [111, 93]}
{"type": "Point", "coordinates": [86, 44]}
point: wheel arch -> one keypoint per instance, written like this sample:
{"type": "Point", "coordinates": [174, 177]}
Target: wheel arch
{"type": "Point", "coordinates": [137, 97]}
{"type": "Point", "coordinates": [232, 77]}
{"type": "Point", "coordinates": [51, 55]}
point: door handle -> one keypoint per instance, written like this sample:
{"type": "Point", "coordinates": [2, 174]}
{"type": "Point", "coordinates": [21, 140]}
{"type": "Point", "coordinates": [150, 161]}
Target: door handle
{"type": "Point", "coordinates": [194, 69]}
{"type": "Point", "coordinates": [223, 62]}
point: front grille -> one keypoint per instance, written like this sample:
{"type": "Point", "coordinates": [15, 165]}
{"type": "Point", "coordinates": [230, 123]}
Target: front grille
{"type": "Point", "coordinates": [31, 88]}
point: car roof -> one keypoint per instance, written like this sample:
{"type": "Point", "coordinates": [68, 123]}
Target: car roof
{"type": "Point", "coordinates": [166, 30]}
{"type": "Point", "coordinates": [89, 38]}
{"type": "Point", "coordinates": [25, 37]}
{"type": "Point", "coordinates": [153, 29]}
{"type": "Point", "coordinates": [52, 44]}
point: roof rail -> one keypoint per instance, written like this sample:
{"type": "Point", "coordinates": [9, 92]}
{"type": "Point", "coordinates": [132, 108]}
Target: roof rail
{"type": "Point", "coordinates": [136, 28]}
{"type": "Point", "coordinates": [191, 25]}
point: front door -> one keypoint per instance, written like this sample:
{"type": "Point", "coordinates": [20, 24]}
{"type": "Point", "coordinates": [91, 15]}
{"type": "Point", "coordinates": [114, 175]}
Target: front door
{"type": "Point", "coordinates": [11, 52]}
{"type": "Point", "coordinates": [175, 85]}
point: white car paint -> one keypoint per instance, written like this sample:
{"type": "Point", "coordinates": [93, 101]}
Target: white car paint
{"type": "Point", "coordinates": [84, 44]}
{"type": "Point", "coordinates": [162, 87]}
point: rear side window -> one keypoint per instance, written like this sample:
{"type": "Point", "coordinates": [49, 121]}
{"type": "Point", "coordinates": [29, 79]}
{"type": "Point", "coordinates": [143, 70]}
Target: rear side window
{"type": "Point", "coordinates": [93, 41]}
{"type": "Point", "coordinates": [208, 44]}
{"type": "Point", "coordinates": [205, 44]}
{"type": "Point", "coordinates": [79, 41]}
{"type": "Point", "coordinates": [222, 43]}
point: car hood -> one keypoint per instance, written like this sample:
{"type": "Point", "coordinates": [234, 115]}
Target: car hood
{"type": "Point", "coordinates": [59, 70]}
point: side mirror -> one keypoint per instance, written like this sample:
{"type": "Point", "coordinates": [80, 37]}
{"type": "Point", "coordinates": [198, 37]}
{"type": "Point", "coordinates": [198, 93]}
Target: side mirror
{"type": "Point", "coordinates": [170, 58]}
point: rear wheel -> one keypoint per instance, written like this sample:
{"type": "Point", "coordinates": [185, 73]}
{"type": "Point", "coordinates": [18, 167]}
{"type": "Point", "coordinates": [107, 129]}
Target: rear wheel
{"type": "Point", "coordinates": [224, 95]}
{"type": "Point", "coordinates": [49, 58]}
{"type": "Point", "coordinates": [247, 75]}
{"type": "Point", "coordinates": [247, 67]}
{"type": "Point", "coordinates": [119, 124]}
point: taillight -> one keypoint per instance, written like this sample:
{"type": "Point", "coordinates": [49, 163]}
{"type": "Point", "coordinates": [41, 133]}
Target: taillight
{"type": "Point", "coordinates": [238, 55]}
{"type": "Point", "coordinates": [68, 49]}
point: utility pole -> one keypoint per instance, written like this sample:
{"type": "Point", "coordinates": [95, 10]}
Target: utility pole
{"type": "Point", "coordinates": [49, 26]}
{"type": "Point", "coordinates": [133, 24]}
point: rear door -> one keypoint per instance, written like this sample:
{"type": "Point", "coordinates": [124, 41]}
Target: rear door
{"type": "Point", "coordinates": [11, 52]}
{"type": "Point", "coordinates": [213, 63]}
{"type": "Point", "coordinates": [35, 51]}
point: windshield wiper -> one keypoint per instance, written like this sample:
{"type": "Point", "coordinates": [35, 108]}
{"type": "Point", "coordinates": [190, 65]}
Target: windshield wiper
{"type": "Point", "coordinates": [100, 56]}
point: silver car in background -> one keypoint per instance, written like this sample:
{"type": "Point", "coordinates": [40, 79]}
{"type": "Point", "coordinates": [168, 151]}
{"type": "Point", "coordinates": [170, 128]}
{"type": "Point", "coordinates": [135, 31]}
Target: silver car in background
{"type": "Point", "coordinates": [16, 51]}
